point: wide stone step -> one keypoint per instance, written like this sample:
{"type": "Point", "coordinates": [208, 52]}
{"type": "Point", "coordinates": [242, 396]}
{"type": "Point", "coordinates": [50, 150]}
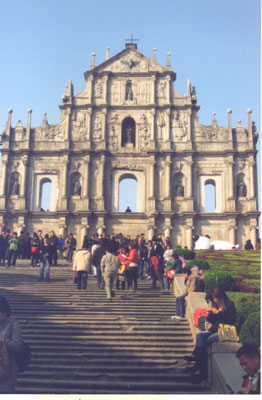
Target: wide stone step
{"type": "Point", "coordinates": [81, 343]}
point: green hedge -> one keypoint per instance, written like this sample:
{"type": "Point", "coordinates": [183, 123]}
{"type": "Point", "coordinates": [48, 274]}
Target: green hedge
{"type": "Point", "coordinates": [186, 253]}
{"type": "Point", "coordinates": [239, 297]}
{"type": "Point", "coordinates": [250, 330]}
{"type": "Point", "coordinates": [244, 309]}
{"type": "Point", "coordinates": [201, 264]}
{"type": "Point", "coordinates": [222, 279]}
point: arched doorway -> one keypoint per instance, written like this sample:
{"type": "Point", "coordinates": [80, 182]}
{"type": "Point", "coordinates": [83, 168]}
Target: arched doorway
{"type": "Point", "coordinates": [45, 194]}
{"type": "Point", "coordinates": [127, 194]}
{"type": "Point", "coordinates": [210, 196]}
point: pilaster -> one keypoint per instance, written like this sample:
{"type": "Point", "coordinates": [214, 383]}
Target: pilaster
{"type": "Point", "coordinates": [64, 199]}
{"type": "Point", "coordinates": [167, 200]}
{"type": "Point", "coordinates": [231, 202]}
{"type": "Point", "coordinates": [100, 188]}
{"type": "Point", "coordinates": [86, 183]}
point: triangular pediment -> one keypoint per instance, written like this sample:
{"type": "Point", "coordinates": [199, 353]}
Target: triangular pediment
{"type": "Point", "coordinates": [128, 61]}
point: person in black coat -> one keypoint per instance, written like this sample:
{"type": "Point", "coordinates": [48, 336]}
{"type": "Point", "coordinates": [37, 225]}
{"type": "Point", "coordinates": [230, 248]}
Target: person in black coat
{"type": "Point", "coordinates": [222, 311]}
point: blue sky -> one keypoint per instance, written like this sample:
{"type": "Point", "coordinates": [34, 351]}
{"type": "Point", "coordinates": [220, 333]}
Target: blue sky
{"type": "Point", "coordinates": [215, 43]}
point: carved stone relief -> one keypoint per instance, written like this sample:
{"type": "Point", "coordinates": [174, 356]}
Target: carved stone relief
{"type": "Point", "coordinates": [79, 126]}
{"type": "Point", "coordinates": [97, 127]}
{"type": "Point", "coordinates": [113, 134]}
{"type": "Point", "coordinates": [144, 133]}
{"type": "Point", "coordinates": [99, 89]}
{"type": "Point", "coordinates": [161, 123]}
{"type": "Point", "coordinates": [161, 92]}
{"type": "Point", "coordinates": [19, 131]}
{"type": "Point", "coordinates": [179, 126]}
{"type": "Point", "coordinates": [130, 63]}
{"type": "Point", "coordinates": [50, 132]}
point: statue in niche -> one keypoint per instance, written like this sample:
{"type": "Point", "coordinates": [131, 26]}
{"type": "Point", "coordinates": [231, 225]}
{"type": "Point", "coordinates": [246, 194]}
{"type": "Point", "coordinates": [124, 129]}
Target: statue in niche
{"type": "Point", "coordinates": [129, 91]}
{"type": "Point", "coordinates": [14, 187]}
{"type": "Point", "coordinates": [129, 134]}
{"type": "Point", "coordinates": [241, 190]}
{"type": "Point", "coordinates": [76, 189]}
{"type": "Point", "coordinates": [179, 189]}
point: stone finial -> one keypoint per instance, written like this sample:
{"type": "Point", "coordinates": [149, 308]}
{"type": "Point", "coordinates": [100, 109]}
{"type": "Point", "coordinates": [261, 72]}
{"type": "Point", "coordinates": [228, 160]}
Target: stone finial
{"type": "Point", "coordinates": [188, 87]}
{"type": "Point", "coordinates": [29, 111]}
{"type": "Point", "coordinates": [168, 65]}
{"type": "Point", "coordinates": [154, 54]}
{"type": "Point", "coordinates": [93, 60]}
{"type": "Point", "coordinates": [214, 120]}
{"type": "Point", "coordinates": [107, 53]}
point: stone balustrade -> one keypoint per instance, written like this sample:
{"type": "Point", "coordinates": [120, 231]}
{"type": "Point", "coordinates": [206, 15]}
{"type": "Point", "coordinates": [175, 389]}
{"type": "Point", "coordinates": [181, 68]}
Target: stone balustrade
{"type": "Point", "coordinates": [223, 366]}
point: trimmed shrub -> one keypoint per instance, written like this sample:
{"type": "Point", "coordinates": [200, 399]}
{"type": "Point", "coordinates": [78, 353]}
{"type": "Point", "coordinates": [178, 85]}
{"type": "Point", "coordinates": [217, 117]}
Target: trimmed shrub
{"type": "Point", "coordinates": [186, 253]}
{"type": "Point", "coordinates": [222, 279]}
{"type": "Point", "coordinates": [250, 330]}
{"type": "Point", "coordinates": [244, 309]}
{"type": "Point", "coordinates": [201, 264]}
{"type": "Point", "coordinates": [239, 297]}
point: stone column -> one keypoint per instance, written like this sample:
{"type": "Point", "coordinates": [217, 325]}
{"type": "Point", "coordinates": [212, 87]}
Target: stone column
{"type": "Point", "coordinates": [250, 133]}
{"type": "Point", "coordinates": [67, 129]}
{"type": "Point", "coordinates": [65, 161]}
{"type": "Point", "coordinates": [84, 228]}
{"type": "Point", "coordinates": [90, 94]}
{"type": "Point", "coordinates": [253, 230]}
{"type": "Point", "coordinates": [230, 184]}
{"type": "Point", "coordinates": [28, 129]}
{"type": "Point", "coordinates": [100, 225]}
{"type": "Point", "coordinates": [24, 175]}
{"type": "Point", "coordinates": [232, 231]}
{"type": "Point", "coordinates": [167, 138]}
{"type": "Point", "coordinates": [189, 189]}
{"type": "Point", "coordinates": [189, 231]}
{"type": "Point", "coordinates": [168, 90]}
{"type": "Point", "coordinates": [167, 228]}
{"type": "Point", "coordinates": [167, 203]}
{"type": "Point", "coordinates": [86, 182]}
{"type": "Point", "coordinates": [106, 88]}
{"type": "Point", "coordinates": [153, 90]}
{"type": "Point", "coordinates": [151, 176]}
{"type": "Point", "coordinates": [151, 228]}
{"type": "Point", "coordinates": [62, 227]}
{"type": "Point", "coordinates": [4, 170]}
{"type": "Point", "coordinates": [189, 129]}
{"type": "Point", "coordinates": [100, 187]}
{"type": "Point", "coordinates": [251, 164]}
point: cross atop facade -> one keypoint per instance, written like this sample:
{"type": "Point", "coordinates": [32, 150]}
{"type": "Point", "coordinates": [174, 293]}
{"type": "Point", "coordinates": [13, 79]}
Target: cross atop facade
{"type": "Point", "coordinates": [132, 40]}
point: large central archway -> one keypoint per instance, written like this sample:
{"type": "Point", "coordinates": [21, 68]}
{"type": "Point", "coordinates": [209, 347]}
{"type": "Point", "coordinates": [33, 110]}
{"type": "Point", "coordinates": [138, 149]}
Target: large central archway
{"type": "Point", "coordinates": [121, 175]}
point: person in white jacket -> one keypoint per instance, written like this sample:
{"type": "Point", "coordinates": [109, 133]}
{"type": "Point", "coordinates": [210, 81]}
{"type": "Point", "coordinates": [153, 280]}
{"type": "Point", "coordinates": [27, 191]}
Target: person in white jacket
{"type": "Point", "coordinates": [82, 264]}
{"type": "Point", "coordinates": [109, 268]}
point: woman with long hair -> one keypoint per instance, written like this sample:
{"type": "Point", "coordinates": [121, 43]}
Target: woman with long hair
{"type": "Point", "coordinates": [222, 311]}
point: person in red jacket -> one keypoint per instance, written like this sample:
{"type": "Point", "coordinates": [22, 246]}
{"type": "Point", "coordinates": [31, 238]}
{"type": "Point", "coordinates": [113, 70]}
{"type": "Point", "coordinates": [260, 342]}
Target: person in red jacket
{"type": "Point", "coordinates": [132, 263]}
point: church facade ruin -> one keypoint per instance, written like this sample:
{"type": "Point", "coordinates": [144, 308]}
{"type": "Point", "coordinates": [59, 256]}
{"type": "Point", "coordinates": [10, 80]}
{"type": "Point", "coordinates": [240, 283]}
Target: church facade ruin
{"type": "Point", "coordinates": [130, 122]}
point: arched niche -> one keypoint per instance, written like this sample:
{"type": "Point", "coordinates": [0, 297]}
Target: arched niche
{"type": "Point", "coordinates": [37, 187]}
{"type": "Point", "coordinates": [14, 184]}
{"type": "Point", "coordinates": [75, 184]}
{"type": "Point", "coordinates": [241, 187]}
{"type": "Point", "coordinates": [178, 185]}
{"type": "Point", "coordinates": [120, 175]}
{"type": "Point", "coordinates": [128, 133]}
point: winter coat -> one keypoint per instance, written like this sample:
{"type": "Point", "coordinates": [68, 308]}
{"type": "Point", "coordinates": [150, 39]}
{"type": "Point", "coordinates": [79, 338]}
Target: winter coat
{"type": "Point", "coordinates": [132, 257]}
{"type": "Point", "coordinates": [228, 316]}
{"type": "Point", "coordinates": [82, 260]}
{"type": "Point", "coordinates": [191, 284]}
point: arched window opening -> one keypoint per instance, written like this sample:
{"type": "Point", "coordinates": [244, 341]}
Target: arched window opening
{"type": "Point", "coordinates": [128, 194]}
{"type": "Point", "coordinates": [45, 195]}
{"type": "Point", "coordinates": [210, 196]}
{"type": "Point", "coordinates": [128, 132]}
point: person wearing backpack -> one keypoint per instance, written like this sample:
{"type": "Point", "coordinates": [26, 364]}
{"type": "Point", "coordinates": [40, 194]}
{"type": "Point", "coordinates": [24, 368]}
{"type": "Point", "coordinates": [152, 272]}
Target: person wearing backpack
{"type": "Point", "coordinates": [12, 250]}
{"type": "Point", "coordinates": [11, 344]}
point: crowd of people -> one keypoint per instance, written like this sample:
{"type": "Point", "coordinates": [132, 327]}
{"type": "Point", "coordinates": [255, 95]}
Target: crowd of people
{"type": "Point", "coordinates": [119, 263]}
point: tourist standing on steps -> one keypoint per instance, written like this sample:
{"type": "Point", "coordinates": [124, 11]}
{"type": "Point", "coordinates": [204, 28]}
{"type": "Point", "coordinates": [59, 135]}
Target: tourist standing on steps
{"type": "Point", "coordinates": [82, 264]}
{"type": "Point", "coordinates": [71, 246]}
{"type": "Point", "coordinates": [132, 266]}
{"type": "Point", "coordinates": [44, 254]}
{"type": "Point", "coordinates": [11, 339]}
{"type": "Point", "coordinates": [12, 251]}
{"type": "Point", "coordinates": [53, 242]}
{"type": "Point", "coordinates": [157, 267]}
{"type": "Point", "coordinates": [109, 268]}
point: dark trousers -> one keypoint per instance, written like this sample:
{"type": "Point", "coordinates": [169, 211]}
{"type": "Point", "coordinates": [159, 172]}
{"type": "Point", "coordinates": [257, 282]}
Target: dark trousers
{"type": "Point", "coordinates": [11, 257]}
{"type": "Point", "coordinates": [132, 277]}
{"type": "Point", "coordinates": [180, 306]}
{"type": "Point", "coordinates": [82, 280]}
{"type": "Point", "coordinates": [157, 276]}
{"type": "Point", "coordinates": [70, 252]}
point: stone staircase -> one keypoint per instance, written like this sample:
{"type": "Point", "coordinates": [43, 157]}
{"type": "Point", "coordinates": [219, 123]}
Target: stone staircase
{"type": "Point", "coordinates": [81, 343]}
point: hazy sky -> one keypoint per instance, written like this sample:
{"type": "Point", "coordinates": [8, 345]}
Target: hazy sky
{"type": "Point", "coordinates": [215, 43]}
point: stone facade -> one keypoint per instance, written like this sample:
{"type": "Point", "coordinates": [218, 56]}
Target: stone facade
{"type": "Point", "coordinates": [130, 122]}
